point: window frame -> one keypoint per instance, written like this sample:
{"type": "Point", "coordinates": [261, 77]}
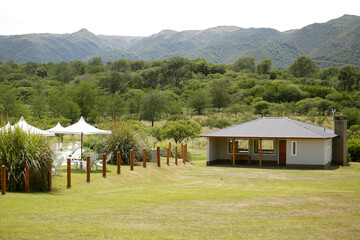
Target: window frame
{"type": "Point", "coordinates": [294, 148]}
{"type": "Point", "coordinates": [262, 150]}
{"type": "Point", "coordinates": [229, 149]}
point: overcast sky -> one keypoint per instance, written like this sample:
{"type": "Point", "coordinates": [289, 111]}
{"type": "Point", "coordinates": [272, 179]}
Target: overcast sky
{"type": "Point", "coordinates": [146, 17]}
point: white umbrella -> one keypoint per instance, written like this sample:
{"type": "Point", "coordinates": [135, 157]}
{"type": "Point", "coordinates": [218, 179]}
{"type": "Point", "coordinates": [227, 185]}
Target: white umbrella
{"type": "Point", "coordinates": [57, 129]}
{"type": "Point", "coordinates": [81, 128]}
{"type": "Point", "coordinates": [31, 129]}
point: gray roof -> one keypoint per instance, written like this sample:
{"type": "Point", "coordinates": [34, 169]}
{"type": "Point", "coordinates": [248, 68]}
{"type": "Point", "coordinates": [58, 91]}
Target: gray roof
{"type": "Point", "coordinates": [273, 127]}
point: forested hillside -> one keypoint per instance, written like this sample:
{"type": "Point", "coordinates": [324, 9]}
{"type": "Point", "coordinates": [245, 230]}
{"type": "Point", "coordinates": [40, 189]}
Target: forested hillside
{"type": "Point", "coordinates": [176, 88]}
{"type": "Point", "coordinates": [334, 43]}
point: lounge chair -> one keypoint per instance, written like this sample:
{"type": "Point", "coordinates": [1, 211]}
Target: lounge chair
{"type": "Point", "coordinates": [70, 146]}
{"type": "Point", "coordinates": [99, 163]}
{"type": "Point", "coordinates": [76, 158]}
{"type": "Point", "coordinates": [77, 144]}
{"type": "Point", "coordinates": [93, 161]}
{"type": "Point", "coordinates": [56, 165]}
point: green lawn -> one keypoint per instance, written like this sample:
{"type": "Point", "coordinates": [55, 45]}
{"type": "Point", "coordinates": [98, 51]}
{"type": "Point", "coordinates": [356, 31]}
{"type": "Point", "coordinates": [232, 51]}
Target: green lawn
{"type": "Point", "coordinates": [190, 202]}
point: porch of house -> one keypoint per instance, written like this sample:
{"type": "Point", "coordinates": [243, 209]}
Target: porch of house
{"type": "Point", "coordinates": [254, 152]}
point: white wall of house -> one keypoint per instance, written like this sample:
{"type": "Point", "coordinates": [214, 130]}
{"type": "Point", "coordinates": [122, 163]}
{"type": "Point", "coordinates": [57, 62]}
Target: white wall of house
{"type": "Point", "coordinates": [328, 151]}
{"type": "Point", "coordinates": [308, 152]}
{"type": "Point", "coordinates": [212, 149]}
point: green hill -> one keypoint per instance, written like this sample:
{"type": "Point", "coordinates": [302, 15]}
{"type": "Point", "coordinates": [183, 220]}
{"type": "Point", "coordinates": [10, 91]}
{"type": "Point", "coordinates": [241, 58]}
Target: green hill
{"type": "Point", "coordinates": [334, 43]}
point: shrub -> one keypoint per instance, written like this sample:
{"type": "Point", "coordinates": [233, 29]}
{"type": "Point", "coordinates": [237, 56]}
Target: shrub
{"type": "Point", "coordinates": [354, 150]}
{"type": "Point", "coordinates": [123, 139]}
{"type": "Point", "coordinates": [18, 148]}
{"type": "Point", "coordinates": [216, 123]}
{"type": "Point", "coordinates": [180, 130]}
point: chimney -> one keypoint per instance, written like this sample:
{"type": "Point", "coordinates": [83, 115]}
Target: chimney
{"type": "Point", "coordinates": [340, 142]}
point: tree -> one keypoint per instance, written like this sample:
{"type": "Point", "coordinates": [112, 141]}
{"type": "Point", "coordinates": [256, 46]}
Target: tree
{"type": "Point", "coordinates": [153, 105]}
{"type": "Point", "coordinates": [262, 107]}
{"type": "Point", "coordinates": [96, 65]}
{"type": "Point", "coordinates": [244, 63]}
{"type": "Point", "coordinates": [151, 77]}
{"type": "Point", "coordinates": [303, 66]}
{"type": "Point", "coordinates": [329, 72]}
{"type": "Point", "coordinates": [264, 66]}
{"type": "Point", "coordinates": [137, 65]}
{"type": "Point", "coordinates": [219, 92]}
{"type": "Point", "coordinates": [115, 81]}
{"type": "Point", "coordinates": [116, 106]}
{"type": "Point", "coordinates": [37, 101]}
{"type": "Point", "coordinates": [199, 100]}
{"type": "Point", "coordinates": [180, 130]}
{"type": "Point", "coordinates": [70, 110]}
{"type": "Point", "coordinates": [202, 66]}
{"type": "Point", "coordinates": [133, 99]}
{"type": "Point", "coordinates": [41, 72]}
{"type": "Point", "coordinates": [85, 94]}
{"type": "Point", "coordinates": [9, 104]}
{"type": "Point", "coordinates": [121, 65]}
{"type": "Point", "coordinates": [78, 67]}
{"type": "Point", "coordinates": [175, 70]}
{"type": "Point", "coordinates": [349, 78]}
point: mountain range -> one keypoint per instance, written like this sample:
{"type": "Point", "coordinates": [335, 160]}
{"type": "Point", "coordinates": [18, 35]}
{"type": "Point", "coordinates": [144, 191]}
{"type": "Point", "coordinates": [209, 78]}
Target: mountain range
{"type": "Point", "coordinates": [334, 43]}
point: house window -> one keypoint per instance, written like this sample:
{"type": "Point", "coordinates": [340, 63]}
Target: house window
{"type": "Point", "coordinates": [267, 146]}
{"type": "Point", "coordinates": [293, 148]}
{"type": "Point", "coordinates": [241, 145]}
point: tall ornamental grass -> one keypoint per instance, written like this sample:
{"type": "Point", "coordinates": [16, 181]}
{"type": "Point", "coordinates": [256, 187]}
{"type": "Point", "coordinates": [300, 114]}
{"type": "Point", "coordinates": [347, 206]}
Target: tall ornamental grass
{"type": "Point", "coordinates": [18, 148]}
{"type": "Point", "coordinates": [123, 139]}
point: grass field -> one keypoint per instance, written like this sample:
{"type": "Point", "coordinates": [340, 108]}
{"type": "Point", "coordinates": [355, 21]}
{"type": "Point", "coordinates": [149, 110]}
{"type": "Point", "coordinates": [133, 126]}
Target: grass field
{"type": "Point", "coordinates": [190, 202]}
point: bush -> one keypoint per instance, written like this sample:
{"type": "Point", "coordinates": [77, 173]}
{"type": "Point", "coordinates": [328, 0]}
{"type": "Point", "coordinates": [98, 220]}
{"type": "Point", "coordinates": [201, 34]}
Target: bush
{"type": "Point", "coordinates": [18, 148]}
{"type": "Point", "coordinates": [95, 143]}
{"type": "Point", "coordinates": [180, 130]}
{"type": "Point", "coordinates": [123, 139]}
{"type": "Point", "coordinates": [354, 150]}
{"type": "Point", "coordinates": [216, 123]}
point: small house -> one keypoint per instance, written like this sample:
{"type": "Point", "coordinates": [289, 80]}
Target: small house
{"type": "Point", "coordinates": [279, 141]}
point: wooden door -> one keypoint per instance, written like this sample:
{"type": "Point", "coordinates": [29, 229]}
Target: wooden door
{"type": "Point", "coordinates": [282, 152]}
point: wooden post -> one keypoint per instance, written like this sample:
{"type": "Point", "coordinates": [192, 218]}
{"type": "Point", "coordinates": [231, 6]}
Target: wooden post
{"type": "Point", "coordinates": [27, 178]}
{"type": "Point", "coordinates": [132, 159]}
{"type": "Point", "coordinates": [88, 168]}
{"type": "Point", "coordinates": [50, 178]}
{"type": "Point", "coordinates": [260, 162]}
{"type": "Point", "coordinates": [3, 179]}
{"type": "Point", "coordinates": [118, 163]}
{"type": "Point", "coordinates": [158, 156]}
{"type": "Point", "coordinates": [104, 165]}
{"type": "Point", "coordinates": [176, 157]}
{"type": "Point", "coordinates": [233, 150]}
{"type": "Point", "coordinates": [170, 147]}
{"type": "Point", "coordinates": [154, 145]}
{"type": "Point", "coordinates": [168, 156]}
{"type": "Point", "coordinates": [182, 151]}
{"type": "Point", "coordinates": [185, 152]}
{"type": "Point", "coordinates": [68, 173]}
{"type": "Point", "coordinates": [144, 157]}
{"type": "Point", "coordinates": [81, 150]}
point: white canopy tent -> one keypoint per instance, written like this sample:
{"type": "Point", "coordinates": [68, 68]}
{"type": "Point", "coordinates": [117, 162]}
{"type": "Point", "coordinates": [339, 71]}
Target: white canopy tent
{"type": "Point", "coordinates": [31, 129]}
{"type": "Point", "coordinates": [81, 128]}
{"type": "Point", "coordinates": [27, 128]}
{"type": "Point", "coordinates": [57, 129]}
{"type": "Point", "coordinates": [7, 127]}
